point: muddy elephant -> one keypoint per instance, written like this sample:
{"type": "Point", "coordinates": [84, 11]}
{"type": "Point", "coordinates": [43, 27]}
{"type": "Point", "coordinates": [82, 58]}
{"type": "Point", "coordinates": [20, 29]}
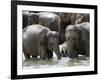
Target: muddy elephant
{"type": "Point", "coordinates": [40, 41]}
{"type": "Point", "coordinates": [77, 39]}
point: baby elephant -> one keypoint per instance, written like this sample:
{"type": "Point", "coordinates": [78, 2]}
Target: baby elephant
{"type": "Point", "coordinates": [77, 39]}
{"type": "Point", "coordinates": [40, 41]}
{"type": "Point", "coordinates": [63, 50]}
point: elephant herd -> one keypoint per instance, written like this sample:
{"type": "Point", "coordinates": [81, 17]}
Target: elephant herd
{"type": "Point", "coordinates": [45, 32]}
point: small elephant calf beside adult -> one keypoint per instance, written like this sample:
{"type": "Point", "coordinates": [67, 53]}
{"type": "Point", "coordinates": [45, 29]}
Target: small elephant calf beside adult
{"type": "Point", "coordinates": [40, 41]}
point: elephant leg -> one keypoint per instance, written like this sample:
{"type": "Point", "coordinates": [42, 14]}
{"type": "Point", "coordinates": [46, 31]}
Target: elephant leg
{"type": "Point", "coordinates": [34, 56]}
{"type": "Point", "coordinates": [26, 54]}
{"type": "Point", "coordinates": [62, 53]}
{"type": "Point", "coordinates": [72, 53]}
{"type": "Point", "coordinates": [66, 53]}
{"type": "Point", "coordinates": [86, 49]}
{"type": "Point", "coordinates": [87, 52]}
{"type": "Point", "coordinates": [42, 52]}
{"type": "Point", "coordinates": [49, 54]}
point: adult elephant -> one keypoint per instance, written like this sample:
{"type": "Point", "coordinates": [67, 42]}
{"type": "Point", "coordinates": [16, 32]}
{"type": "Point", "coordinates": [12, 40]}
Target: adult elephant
{"type": "Point", "coordinates": [70, 19]}
{"type": "Point", "coordinates": [32, 18]}
{"type": "Point", "coordinates": [65, 20]}
{"type": "Point", "coordinates": [77, 39]}
{"type": "Point", "coordinates": [81, 18]}
{"type": "Point", "coordinates": [47, 19]}
{"type": "Point", "coordinates": [40, 41]}
{"type": "Point", "coordinates": [51, 20]}
{"type": "Point", "coordinates": [25, 18]}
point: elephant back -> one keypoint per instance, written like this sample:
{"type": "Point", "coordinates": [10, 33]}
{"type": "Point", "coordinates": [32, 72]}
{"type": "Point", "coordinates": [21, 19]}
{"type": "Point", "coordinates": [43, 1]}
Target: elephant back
{"type": "Point", "coordinates": [50, 20]}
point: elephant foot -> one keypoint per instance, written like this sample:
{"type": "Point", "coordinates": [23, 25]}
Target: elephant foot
{"type": "Point", "coordinates": [27, 56]}
{"type": "Point", "coordinates": [64, 53]}
{"type": "Point", "coordinates": [43, 57]}
{"type": "Point", "coordinates": [87, 54]}
{"type": "Point", "coordinates": [73, 54]}
{"type": "Point", "coordinates": [49, 54]}
{"type": "Point", "coordinates": [58, 58]}
{"type": "Point", "coordinates": [34, 56]}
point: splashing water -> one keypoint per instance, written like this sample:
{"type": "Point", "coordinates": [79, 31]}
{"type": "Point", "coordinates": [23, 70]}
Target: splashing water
{"type": "Point", "coordinates": [36, 63]}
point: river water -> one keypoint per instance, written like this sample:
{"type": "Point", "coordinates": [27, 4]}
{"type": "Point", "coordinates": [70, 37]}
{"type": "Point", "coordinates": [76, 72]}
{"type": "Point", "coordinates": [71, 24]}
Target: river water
{"type": "Point", "coordinates": [36, 63]}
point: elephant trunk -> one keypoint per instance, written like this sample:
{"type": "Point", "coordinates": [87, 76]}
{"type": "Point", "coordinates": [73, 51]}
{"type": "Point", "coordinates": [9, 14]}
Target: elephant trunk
{"type": "Point", "coordinates": [57, 51]}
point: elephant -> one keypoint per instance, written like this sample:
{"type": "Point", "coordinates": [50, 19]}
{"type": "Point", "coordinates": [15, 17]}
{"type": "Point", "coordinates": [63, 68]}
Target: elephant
{"type": "Point", "coordinates": [25, 18]}
{"type": "Point", "coordinates": [64, 21]}
{"type": "Point", "coordinates": [56, 21]}
{"type": "Point", "coordinates": [82, 18]}
{"type": "Point", "coordinates": [47, 19]}
{"type": "Point", "coordinates": [40, 41]}
{"type": "Point", "coordinates": [77, 39]}
{"type": "Point", "coordinates": [77, 18]}
{"type": "Point", "coordinates": [63, 50]}
{"type": "Point", "coordinates": [33, 18]}
{"type": "Point", "coordinates": [70, 19]}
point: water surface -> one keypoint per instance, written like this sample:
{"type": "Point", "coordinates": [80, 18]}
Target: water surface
{"type": "Point", "coordinates": [36, 63]}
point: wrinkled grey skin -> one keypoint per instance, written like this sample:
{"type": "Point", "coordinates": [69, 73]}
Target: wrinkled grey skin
{"type": "Point", "coordinates": [47, 19]}
{"type": "Point", "coordinates": [77, 18]}
{"type": "Point", "coordinates": [70, 19]}
{"type": "Point", "coordinates": [64, 21]}
{"type": "Point", "coordinates": [40, 41]}
{"type": "Point", "coordinates": [77, 39]}
{"type": "Point", "coordinates": [32, 18]}
{"type": "Point", "coordinates": [57, 21]}
{"type": "Point", "coordinates": [81, 18]}
{"type": "Point", "coordinates": [50, 20]}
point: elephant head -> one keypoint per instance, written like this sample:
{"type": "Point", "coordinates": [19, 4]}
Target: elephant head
{"type": "Point", "coordinates": [53, 43]}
